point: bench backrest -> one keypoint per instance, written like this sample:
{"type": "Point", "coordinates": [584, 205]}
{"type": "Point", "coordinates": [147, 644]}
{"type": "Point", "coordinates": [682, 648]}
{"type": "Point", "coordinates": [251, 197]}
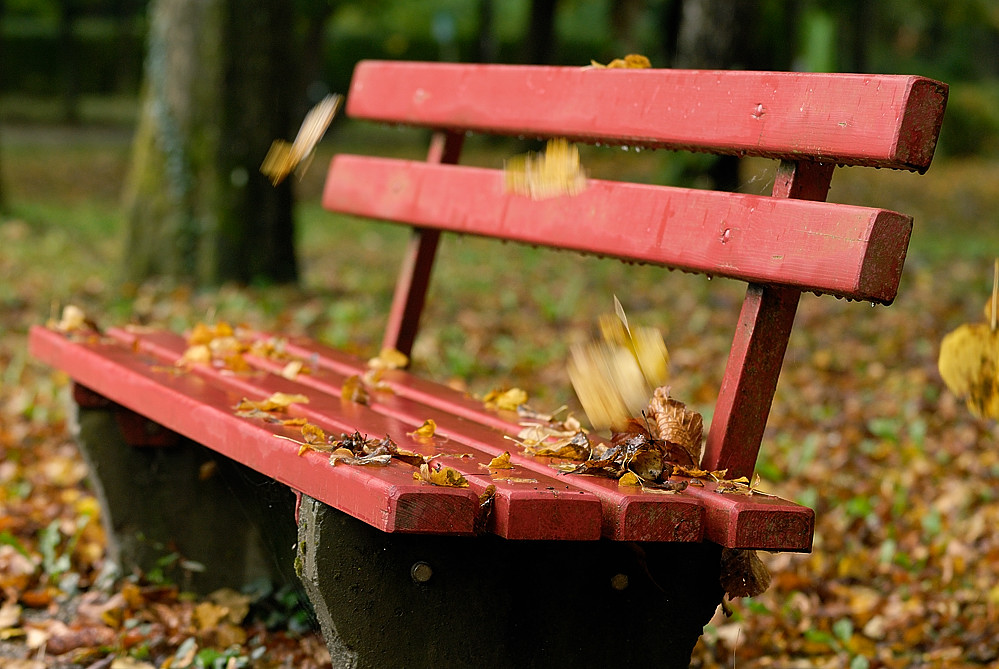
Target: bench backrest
{"type": "Point", "coordinates": [782, 245]}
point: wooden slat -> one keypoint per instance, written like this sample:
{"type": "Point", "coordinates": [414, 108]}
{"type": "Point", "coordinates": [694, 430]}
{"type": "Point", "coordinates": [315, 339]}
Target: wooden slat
{"type": "Point", "coordinates": [857, 119]}
{"type": "Point", "coordinates": [736, 521]}
{"type": "Point", "coordinates": [542, 510]}
{"type": "Point", "coordinates": [388, 499]}
{"type": "Point", "coordinates": [551, 507]}
{"type": "Point", "coordinates": [853, 252]}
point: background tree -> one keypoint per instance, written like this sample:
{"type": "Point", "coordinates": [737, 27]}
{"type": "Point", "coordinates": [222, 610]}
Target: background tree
{"type": "Point", "coordinates": [716, 34]}
{"type": "Point", "coordinates": [219, 85]}
{"type": "Point", "coordinates": [539, 45]}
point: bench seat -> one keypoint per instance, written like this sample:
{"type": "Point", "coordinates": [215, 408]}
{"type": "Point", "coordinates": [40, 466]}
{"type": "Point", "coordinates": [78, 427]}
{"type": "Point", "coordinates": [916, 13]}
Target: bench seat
{"type": "Point", "coordinates": [135, 369]}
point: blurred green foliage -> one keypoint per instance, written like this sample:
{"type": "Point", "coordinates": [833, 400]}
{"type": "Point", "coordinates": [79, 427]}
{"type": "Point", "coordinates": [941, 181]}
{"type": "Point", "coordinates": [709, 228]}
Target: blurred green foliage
{"type": "Point", "coordinates": [953, 40]}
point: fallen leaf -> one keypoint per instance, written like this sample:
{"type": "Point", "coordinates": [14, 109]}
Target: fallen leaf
{"type": "Point", "coordinates": [441, 475]}
{"type": "Point", "coordinates": [73, 320]}
{"type": "Point", "coordinates": [514, 479]}
{"type": "Point", "coordinates": [276, 402]}
{"type": "Point", "coordinates": [674, 424]}
{"type": "Point", "coordinates": [425, 432]}
{"type": "Point", "coordinates": [353, 390]}
{"type": "Point", "coordinates": [10, 614]}
{"type": "Point", "coordinates": [505, 400]}
{"type": "Point", "coordinates": [389, 358]}
{"type": "Point", "coordinates": [198, 354]}
{"type": "Point", "coordinates": [629, 479]}
{"type": "Point", "coordinates": [292, 370]}
{"type": "Point", "coordinates": [630, 62]}
{"type": "Point", "coordinates": [501, 461]}
{"type": "Point", "coordinates": [743, 574]}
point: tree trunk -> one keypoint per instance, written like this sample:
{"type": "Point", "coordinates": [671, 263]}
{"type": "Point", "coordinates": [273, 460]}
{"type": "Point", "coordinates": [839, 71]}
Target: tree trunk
{"type": "Point", "coordinates": [68, 56]}
{"type": "Point", "coordinates": [487, 47]}
{"type": "Point", "coordinates": [217, 91]}
{"type": "Point", "coordinates": [540, 45]}
{"type": "Point", "coordinates": [714, 34]}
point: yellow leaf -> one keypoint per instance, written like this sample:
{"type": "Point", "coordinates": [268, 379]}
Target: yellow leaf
{"type": "Point", "coordinates": [198, 354]}
{"type": "Point", "coordinates": [276, 402]}
{"type": "Point", "coordinates": [292, 370]}
{"type": "Point", "coordinates": [554, 173]}
{"type": "Point", "coordinates": [205, 334]}
{"type": "Point", "coordinates": [73, 319]}
{"type": "Point", "coordinates": [313, 434]}
{"type": "Point", "coordinates": [208, 615]}
{"type": "Point", "coordinates": [501, 461]}
{"type": "Point", "coordinates": [389, 358]}
{"type": "Point", "coordinates": [441, 475]}
{"type": "Point", "coordinates": [353, 390]}
{"type": "Point", "coordinates": [505, 400]}
{"type": "Point", "coordinates": [283, 158]}
{"type": "Point", "coordinates": [969, 365]}
{"type": "Point", "coordinates": [629, 479]}
{"type": "Point", "coordinates": [613, 378]}
{"type": "Point", "coordinates": [425, 432]}
{"type": "Point", "coordinates": [631, 61]}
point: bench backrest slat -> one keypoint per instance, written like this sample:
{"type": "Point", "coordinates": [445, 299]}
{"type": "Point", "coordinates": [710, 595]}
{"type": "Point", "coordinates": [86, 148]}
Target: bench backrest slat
{"type": "Point", "coordinates": [781, 245]}
{"type": "Point", "coordinates": [876, 120]}
{"type": "Point", "coordinates": [848, 251]}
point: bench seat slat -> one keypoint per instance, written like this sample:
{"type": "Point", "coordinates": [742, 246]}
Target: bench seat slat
{"type": "Point", "coordinates": [733, 520]}
{"type": "Point", "coordinates": [546, 509]}
{"type": "Point", "coordinates": [849, 251]}
{"type": "Point", "coordinates": [388, 499]}
{"type": "Point", "coordinates": [552, 507]}
{"type": "Point", "coordinates": [877, 120]}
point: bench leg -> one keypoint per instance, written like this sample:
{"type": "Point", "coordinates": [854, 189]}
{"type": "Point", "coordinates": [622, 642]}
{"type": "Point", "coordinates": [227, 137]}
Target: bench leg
{"type": "Point", "coordinates": [188, 501]}
{"type": "Point", "coordinates": [428, 601]}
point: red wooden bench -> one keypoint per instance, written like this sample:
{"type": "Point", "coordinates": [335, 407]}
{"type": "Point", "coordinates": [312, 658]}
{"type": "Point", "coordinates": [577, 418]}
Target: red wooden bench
{"type": "Point", "coordinates": [439, 580]}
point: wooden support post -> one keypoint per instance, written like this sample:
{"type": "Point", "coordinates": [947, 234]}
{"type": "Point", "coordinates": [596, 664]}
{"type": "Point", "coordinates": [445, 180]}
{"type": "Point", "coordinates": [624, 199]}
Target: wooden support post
{"type": "Point", "coordinates": [414, 275]}
{"type": "Point", "coordinates": [758, 347]}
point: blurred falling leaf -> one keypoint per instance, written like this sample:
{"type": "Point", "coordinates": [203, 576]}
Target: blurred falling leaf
{"type": "Point", "coordinates": [440, 475]}
{"type": "Point", "coordinates": [631, 61]}
{"type": "Point", "coordinates": [540, 176]}
{"type": "Point", "coordinates": [743, 574]}
{"type": "Point", "coordinates": [969, 360]}
{"type": "Point", "coordinates": [505, 400]}
{"type": "Point", "coordinates": [613, 378]}
{"type": "Point", "coordinates": [283, 157]}
{"type": "Point", "coordinates": [276, 402]}
{"type": "Point", "coordinates": [969, 365]}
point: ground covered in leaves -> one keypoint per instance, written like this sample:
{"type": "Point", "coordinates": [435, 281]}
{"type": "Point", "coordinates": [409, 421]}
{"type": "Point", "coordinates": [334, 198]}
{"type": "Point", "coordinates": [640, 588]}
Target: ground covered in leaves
{"type": "Point", "coordinates": [903, 479]}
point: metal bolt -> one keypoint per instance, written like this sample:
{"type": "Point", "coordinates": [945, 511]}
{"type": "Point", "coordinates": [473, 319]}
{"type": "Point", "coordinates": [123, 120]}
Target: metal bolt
{"type": "Point", "coordinates": [421, 572]}
{"type": "Point", "coordinates": [619, 581]}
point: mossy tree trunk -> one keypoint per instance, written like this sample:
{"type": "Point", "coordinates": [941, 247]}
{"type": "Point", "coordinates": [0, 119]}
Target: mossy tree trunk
{"type": "Point", "coordinates": [218, 89]}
